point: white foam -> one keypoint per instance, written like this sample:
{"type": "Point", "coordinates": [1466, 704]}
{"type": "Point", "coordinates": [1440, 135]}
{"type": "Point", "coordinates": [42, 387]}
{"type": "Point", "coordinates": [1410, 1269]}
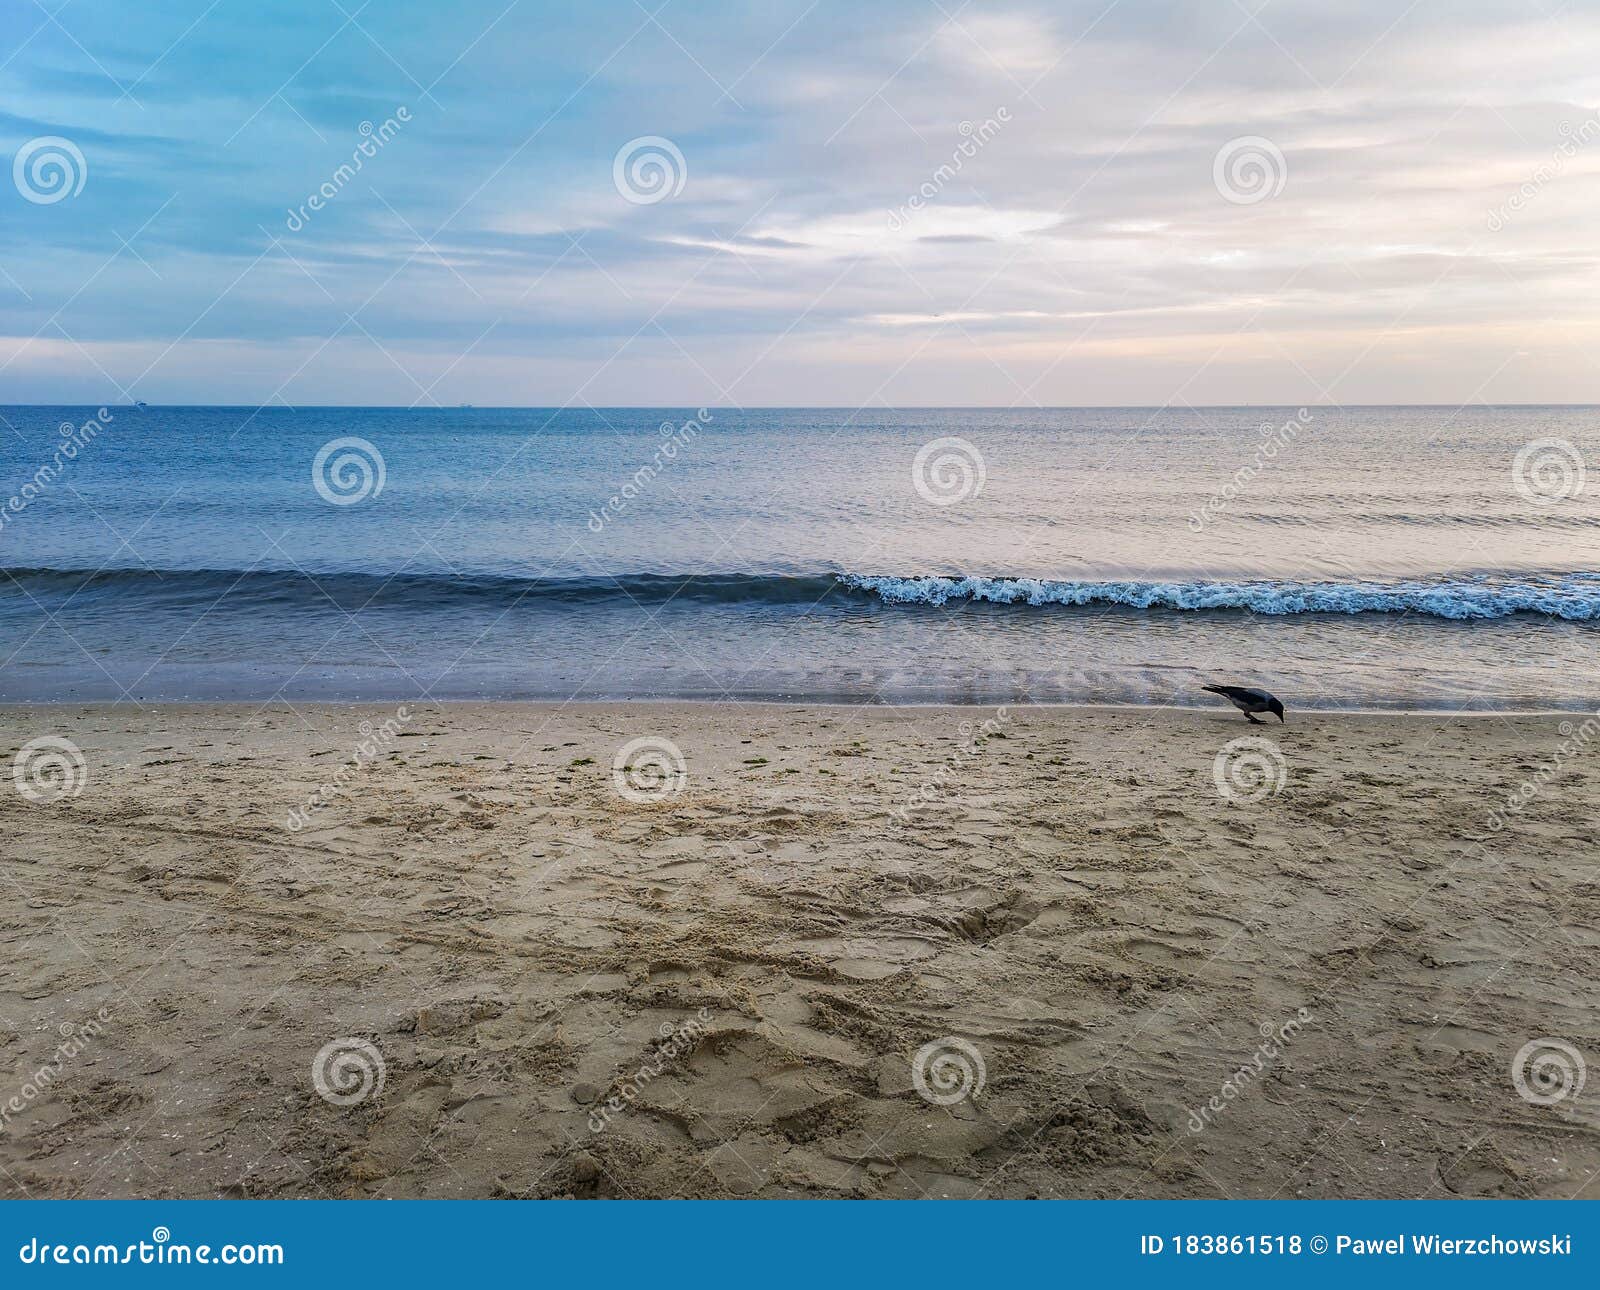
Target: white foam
{"type": "Point", "coordinates": [1576, 598]}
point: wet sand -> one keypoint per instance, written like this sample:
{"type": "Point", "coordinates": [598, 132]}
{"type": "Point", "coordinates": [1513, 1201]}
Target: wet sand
{"type": "Point", "coordinates": [849, 952]}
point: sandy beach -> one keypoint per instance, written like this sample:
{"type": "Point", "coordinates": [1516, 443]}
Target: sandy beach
{"type": "Point", "coordinates": [851, 952]}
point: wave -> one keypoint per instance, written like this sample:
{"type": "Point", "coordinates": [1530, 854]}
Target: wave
{"type": "Point", "coordinates": [1575, 597]}
{"type": "Point", "coordinates": [1572, 597]}
{"type": "Point", "coordinates": [412, 589]}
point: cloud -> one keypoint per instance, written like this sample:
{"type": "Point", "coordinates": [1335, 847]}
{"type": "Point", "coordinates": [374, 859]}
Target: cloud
{"type": "Point", "coordinates": [836, 215]}
{"type": "Point", "coordinates": [1018, 46]}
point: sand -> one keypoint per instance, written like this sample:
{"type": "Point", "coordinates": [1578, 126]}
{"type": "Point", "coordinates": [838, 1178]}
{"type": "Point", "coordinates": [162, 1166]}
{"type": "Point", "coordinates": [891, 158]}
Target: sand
{"type": "Point", "coordinates": [1075, 969]}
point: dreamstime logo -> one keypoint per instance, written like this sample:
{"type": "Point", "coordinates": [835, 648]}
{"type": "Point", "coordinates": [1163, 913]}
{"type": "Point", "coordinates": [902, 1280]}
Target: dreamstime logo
{"type": "Point", "coordinates": [347, 471]}
{"type": "Point", "coordinates": [1248, 170]}
{"type": "Point", "coordinates": [649, 769]}
{"type": "Point", "coordinates": [970, 744]}
{"type": "Point", "coordinates": [1575, 739]}
{"type": "Point", "coordinates": [949, 1070]}
{"type": "Point", "coordinates": [49, 169]}
{"type": "Point", "coordinates": [649, 169]}
{"type": "Point", "coordinates": [49, 768]}
{"type": "Point", "coordinates": [1249, 769]}
{"type": "Point", "coordinates": [1547, 471]}
{"type": "Point", "coordinates": [373, 138]}
{"type": "Point", "coordinates": [674, 439]}
{"type": "Point", "coordinates": [1274, 1038]}
{"type": "Point", "coordinates": [160, 1250]}
{"type": "Point", "coordinates": [973, 139]}
{"type": "Point", "coordinates": [75, 439]}
{"type": "Point", "coordinates": [948, 471]}
{"type": "Point", "coordinates": [39, 1082]}
{"type": "Point", "coordinates": [676, 1041]}
{"type": "Point", "coordinates": [1572, 139]}
{"type": "Point", "coordinates": [374, 740]}
{"type": "Point", "coordinates": [347, 1071]}
{"type": "Point", "coordinates": [1547, 1071]}
{"type": "Point", "coordinates": [1273, 441]}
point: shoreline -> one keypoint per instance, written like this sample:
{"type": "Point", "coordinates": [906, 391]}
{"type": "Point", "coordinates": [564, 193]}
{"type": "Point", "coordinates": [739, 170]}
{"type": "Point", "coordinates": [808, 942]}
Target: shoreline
{"type": "Point", "coordinates": [115, 705]}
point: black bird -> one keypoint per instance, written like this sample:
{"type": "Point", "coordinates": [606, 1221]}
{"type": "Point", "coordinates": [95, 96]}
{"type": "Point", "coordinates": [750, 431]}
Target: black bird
{"type": "Point", "coordinates": [1248, 701]}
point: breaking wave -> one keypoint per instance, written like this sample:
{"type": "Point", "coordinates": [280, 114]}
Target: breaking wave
{"type": "Point", "coordinates": [1572, 597]}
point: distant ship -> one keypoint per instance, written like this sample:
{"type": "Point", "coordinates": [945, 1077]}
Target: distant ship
{"type": "Point", "coordinates": [140, 403]}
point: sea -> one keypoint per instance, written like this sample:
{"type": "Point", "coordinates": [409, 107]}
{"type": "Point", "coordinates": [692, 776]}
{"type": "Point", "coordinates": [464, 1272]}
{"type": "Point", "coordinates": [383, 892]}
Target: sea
{"type": "Point", "coordinates": [1367, 558]}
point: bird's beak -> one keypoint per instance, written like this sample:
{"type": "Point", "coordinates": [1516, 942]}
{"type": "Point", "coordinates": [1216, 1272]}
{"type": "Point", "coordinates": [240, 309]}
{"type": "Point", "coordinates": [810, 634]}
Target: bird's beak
{"type": "Point", "coordinates": [1282, 720]}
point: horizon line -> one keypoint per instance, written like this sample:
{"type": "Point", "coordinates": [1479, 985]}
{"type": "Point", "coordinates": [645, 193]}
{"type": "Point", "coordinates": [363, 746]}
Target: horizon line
{"type": "Point", "coordinates": [775, 407]}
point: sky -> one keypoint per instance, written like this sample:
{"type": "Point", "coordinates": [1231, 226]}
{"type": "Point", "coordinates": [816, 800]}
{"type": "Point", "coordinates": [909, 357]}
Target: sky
{"type": "Point", "coordinates": [804, 202]}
